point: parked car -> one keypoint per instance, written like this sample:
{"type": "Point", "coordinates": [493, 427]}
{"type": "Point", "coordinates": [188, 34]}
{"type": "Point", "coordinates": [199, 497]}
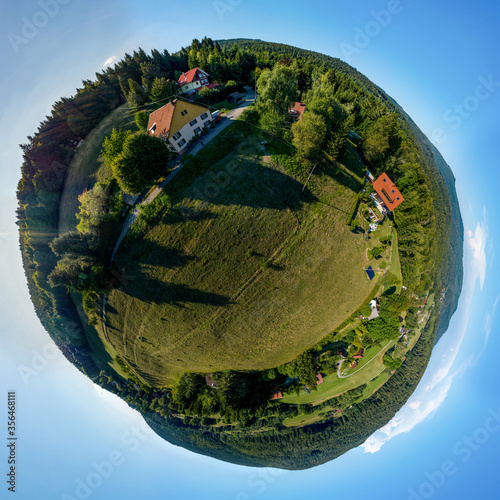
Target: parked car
{"type": "Point", "coordinates": [216, 116]}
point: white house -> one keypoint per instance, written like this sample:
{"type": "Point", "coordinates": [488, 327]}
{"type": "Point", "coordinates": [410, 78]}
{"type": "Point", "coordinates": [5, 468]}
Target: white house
{"type": "Point", "coordinates": [194, 80]}
{"type": "Point", "coordinates": [178, 122]}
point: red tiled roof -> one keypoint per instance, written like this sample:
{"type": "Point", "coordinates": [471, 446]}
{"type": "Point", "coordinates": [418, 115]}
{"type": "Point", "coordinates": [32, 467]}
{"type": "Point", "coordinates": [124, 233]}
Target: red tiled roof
{"type": "Point", "coordinates": [278, 395]}
{"type": "Point", "coordinates": [189, 76]}
{"type": "Point", "coordinates": [209, 86]}
{"type": "Point", "coordinates": [388, 191]}
{"type": "Point", "coordinates": [359, 354]}
{"type": "Point", "coordinates": [299, 109]}
{"type": "Point", "coordinates": [162, 119]}
{"type": "Point", "coordinates": [320, 379]}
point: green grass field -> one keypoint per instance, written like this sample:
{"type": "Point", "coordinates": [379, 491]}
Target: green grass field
{"type": "Point", "coordinates": [369, 367]}
{"type": "Point", "coordinates": [255, 273]}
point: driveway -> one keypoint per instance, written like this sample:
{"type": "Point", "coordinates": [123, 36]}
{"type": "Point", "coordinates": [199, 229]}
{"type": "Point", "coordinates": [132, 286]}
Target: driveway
{"type": "Point", "coordinates": [226, 120]}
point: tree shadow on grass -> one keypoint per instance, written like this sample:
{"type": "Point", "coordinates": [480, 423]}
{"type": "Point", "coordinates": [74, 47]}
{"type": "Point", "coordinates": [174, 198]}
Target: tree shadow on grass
{"type": "Point", "coordinates": [185, 213]}
{"type": "Point", "coordinates": [156, 254]}
{"type": "Point", "coordinates": [158, 292]}
{"type": "Point", "coordinates": [253, 185]}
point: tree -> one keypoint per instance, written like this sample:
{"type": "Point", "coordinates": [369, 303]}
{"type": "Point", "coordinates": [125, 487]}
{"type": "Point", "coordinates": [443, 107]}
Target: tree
{"type": "Point", "coordinates": [141, 120]}
{"type": "Point", "coordinates": [142, 160]}
{"type": "Point", "coordinates": [136, 95]}
{"type": "Point", "coordinates": [97, 206]}
{"type": "Point", "coordinates": [376, 252]}
{"type": "Point", "coordinates": [277, 89]}
{"type": "Point", "coordinates": [309, 135]}
{"type": "Point", "coordinates": [382, 138]}
{"type": "Point", "coordinates": [113, 145]}
{"type": "Point", "coordinates": [78, 274]}
{"type": "Point", "coordinates": [273, 122]}
{"type": "Point", "coordinates": [161, 90]}
{"type": "Point", "coordinates": [321, 101]}
{"type": "Point", "coordinates": [74, 243]}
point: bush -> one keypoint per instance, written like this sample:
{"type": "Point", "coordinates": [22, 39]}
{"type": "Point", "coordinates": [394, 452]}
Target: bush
{"type": "Point", "coordinates": [142, 160]}
{"type": "Point", "coordinates": [141, 120]}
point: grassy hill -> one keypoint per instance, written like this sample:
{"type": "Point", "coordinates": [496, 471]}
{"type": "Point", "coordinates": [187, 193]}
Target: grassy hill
{"type": "Point", "coordinates": [257, 266]}
{"type": "Point", "coordinates": [239, 266]}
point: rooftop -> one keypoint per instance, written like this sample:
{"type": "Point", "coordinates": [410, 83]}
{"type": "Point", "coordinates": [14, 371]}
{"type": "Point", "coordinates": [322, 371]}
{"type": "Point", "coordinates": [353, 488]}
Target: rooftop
{"type": "Point", "coordinates": [388, 191]}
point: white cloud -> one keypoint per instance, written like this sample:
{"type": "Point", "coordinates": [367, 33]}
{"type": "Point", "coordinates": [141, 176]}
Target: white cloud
{"type": "Point", "coordinates": [488, 320]}
{"type": "Point", "coordinates": [476, 240]}
{"type": "Point", "coordinates": [109, 62]}
{"type": "Point", "coordinates": [437, 382]}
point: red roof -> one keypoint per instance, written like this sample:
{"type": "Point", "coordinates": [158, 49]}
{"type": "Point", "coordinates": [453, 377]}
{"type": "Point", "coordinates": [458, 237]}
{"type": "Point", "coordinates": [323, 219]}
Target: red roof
{"type": "Point", "coordinates": [278, 395]}
{"type": "Point", "coordinates": [320, 379]}
{"type": "Point", "coordinates": [359, 354]}
{"type": "Point", "coordinates": [190, 76]}
{"type": "Point", "coordinates": [209, 86]}
{"type": "Point", "coordinates": [388, 191]}
{"type": "Point", "coordinates": [298, 109]}
{"type": "Point", "coordinates": [161, 119]}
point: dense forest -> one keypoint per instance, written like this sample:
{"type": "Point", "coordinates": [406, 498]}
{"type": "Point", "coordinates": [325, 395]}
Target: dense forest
{"type": "Point", "coordinates": [339, 99]}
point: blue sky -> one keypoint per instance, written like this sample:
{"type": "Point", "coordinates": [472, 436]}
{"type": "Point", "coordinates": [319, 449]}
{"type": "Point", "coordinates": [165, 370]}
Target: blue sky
{"type": "Point", "coordinates": [440, 62]}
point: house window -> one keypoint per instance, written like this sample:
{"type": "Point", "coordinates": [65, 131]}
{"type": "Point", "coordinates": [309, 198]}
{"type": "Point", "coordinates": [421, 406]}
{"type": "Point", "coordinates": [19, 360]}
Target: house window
{"type": "Point", "coordinates": [197, 130]}
{"type": "Point", "coordinates": [186, 87]}
{"type": "Point", "coordinates": [184, 112]}
{"type": "Point", "coordinates": [176, 136]}
{"type": "Point", "coordinates": [204, 82]}
{"type": "Point", "coordinates": [181, 143]}
{"type": "Point", "coordinates": [193, 122]}
{"type": "Point", "coordinates": [204, 116]}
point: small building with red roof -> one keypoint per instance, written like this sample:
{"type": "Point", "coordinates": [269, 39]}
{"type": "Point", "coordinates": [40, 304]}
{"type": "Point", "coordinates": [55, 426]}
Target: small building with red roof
{"type": "Point", "coordinates": [277, 395]}
{"type": "Point", "coordinates": [297, 111]}
{"type": "Point", "coordinates": [359, 354]}
{"type": "Point", "coordinates": [194, 80]}
{"type": "Point", "coordinates": [388, 192]}
{"type": "Point", "coordinates": [320, 379]}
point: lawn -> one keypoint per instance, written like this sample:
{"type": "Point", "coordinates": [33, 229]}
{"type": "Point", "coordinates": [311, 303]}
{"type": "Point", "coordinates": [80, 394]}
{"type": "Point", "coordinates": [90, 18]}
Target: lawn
{"type": "Point", "coordinates": [395, 267]}
{"type": "Point", "coordinates": [253, 273]}
{"type": "Point", "coordinates": [307, 419]}
{"type": "Point", "coordinates": [369, 367]}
